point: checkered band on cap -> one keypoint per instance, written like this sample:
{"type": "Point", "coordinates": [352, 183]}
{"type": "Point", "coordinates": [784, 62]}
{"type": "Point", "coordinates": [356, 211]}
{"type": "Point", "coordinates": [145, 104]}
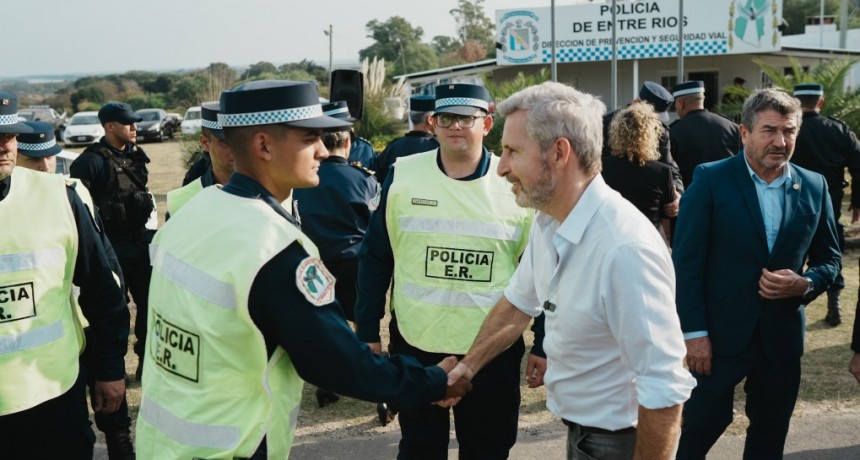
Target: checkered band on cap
{"type": "Point", "coordinates": [684, 92]}
{"type": "Point", "coordinates": [808, 91]}
{"type": "Point", "coordinates": [37, 147]}
{"type": "Point", "coordinates": [210, 124]}
{"type": "Point", "coordinates": [9, 119]}
{"type": "Point", "coordinates": [336, 111]}
{"type": "Point", "coordinates": [449, 101]}
{"type": "Point", "coordinates": [269, 117]}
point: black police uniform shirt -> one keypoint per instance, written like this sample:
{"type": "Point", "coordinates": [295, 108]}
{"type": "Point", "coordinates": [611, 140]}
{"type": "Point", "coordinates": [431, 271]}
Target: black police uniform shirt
{"type": "Point", "coordinates": [664, 147]}
{"type": "Point", "coordinates": [411, 143]}
{"type": "Point", "coordinates": [102, 301]}
{"type": "Point", "coordinates": [198, 168]}
{"type": "Point", "coordinates": [702, 137]}
{"type": "Point", "coordinates": [376, 265]}
{"type": "Point", "coordinates": [335, 213]}
{"type": "Point", "coordinates": [321, 345]}
{"type": "Point", "coordinates": [362, 151]}
{"type": "Point", "coordinates": [827, 146]}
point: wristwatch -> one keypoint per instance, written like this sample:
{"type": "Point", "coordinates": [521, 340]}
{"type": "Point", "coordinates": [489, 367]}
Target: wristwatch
{"type": "Point", "coordinates": [810, 286]}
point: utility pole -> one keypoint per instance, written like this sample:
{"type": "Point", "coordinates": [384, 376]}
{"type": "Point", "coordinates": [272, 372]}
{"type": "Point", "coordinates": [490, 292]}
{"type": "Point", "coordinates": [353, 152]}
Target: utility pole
{"type": "Point", "coordinates": [843, 23]}
{"type": "Point", "coordinates": [680, 41]}
{"type": "Point", "coordinates": [329, 34]}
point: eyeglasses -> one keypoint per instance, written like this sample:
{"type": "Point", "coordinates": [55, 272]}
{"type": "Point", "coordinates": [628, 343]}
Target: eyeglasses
{"type": "Point", "coordinates": [445, 120]}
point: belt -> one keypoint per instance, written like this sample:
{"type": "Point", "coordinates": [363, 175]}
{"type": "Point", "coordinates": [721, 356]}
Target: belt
{"type": "Point", "coordinates": [595, 430]}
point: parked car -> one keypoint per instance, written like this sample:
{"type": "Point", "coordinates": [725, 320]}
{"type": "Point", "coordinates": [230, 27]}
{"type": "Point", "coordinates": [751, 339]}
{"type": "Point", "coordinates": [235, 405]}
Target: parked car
{"type": "Point", "coordinates": [176, 120]}
{"type": "Point", "coordinates": [192, 121]}
{"type": "Point", "coordinates": [48, 115]}
{"type": "Point", "coordinates": [64, 161]}
{"type": "Point", "coordinates": [154, 125]}
{"type": "Point", "coordinates": [83, 128]}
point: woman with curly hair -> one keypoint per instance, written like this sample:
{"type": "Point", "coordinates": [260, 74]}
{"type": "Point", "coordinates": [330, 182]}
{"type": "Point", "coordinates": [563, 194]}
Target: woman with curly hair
{"type": "Point", "coordinates": [633, 168]}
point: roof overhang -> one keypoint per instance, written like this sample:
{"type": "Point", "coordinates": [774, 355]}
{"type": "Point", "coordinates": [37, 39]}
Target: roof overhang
{"type": "Point", "coordinates": [428, 76]}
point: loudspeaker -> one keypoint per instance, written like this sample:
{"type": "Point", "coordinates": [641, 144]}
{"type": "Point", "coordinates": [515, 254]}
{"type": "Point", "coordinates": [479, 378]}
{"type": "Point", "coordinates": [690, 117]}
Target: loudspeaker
{"type": "Point", "coordinates": [348, 85]}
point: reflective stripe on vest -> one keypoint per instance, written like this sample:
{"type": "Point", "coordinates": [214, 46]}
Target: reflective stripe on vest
{"type": "Point", "coordinates": [38, 344]}
{"type": "Point", "coordinates": [32, 338]}
{"type": "Point", "coordinates": [194, 434]}
{"type": "Point", "coordinates": [31, 260]}
{"type": "Point", "coordinates": [456, 244]}
{"type": "Point", "coordinates": [457, 227]}
{"type": "Point", "coordinates": [192, 279]}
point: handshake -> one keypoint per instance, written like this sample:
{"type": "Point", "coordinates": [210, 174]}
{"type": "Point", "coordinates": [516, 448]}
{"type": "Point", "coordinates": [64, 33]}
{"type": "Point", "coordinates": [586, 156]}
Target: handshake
{"type": "Point", "coordinates": [459, 381]}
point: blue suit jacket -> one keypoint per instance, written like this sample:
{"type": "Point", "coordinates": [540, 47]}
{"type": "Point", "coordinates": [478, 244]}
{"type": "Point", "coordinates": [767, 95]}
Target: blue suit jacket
{"type": "Point", "coordinates": [720, 249]}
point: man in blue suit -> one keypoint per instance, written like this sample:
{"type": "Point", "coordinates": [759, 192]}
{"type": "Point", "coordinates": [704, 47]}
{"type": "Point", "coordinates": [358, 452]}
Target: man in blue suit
{"type": "Point", "coordinates": [746, 226]}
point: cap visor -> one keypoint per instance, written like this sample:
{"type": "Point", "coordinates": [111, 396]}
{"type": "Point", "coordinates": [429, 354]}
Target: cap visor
{"type": "Point", "coordinates": [466, 110]}
{"type": "Point", "coordinates": [323, 122]}
{"type": "Point", "coordinates": [55, 149]}
{"type": "Point", "coordinates": [15, 128]}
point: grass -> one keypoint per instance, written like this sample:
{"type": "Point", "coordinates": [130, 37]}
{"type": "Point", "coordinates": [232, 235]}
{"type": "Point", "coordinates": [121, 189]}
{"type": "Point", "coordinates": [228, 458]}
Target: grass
{"type": "Point", "coordinates": [826, 385]}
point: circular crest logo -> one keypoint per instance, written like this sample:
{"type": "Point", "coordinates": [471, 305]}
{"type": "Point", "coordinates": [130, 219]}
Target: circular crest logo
{"type": "Point", "coordinates": [519, 36]}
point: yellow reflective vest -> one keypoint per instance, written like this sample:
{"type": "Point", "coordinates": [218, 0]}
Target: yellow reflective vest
{"type": "Point", "coordinates": [38, 343]}
{"type": "Point", "coordinates": [210, 390]}
{"type": "Point", "coordinates": [456, 244]}
{"type": "Point", "coordinates": [177, 198]}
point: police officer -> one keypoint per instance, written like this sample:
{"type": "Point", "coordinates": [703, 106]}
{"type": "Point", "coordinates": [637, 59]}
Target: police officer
{"type": "Point", "coordinates": [220, 163]}
{"type": "Point", "coordinates": [449, 232]}
{"type": "Point", "coordinates": [420, 139]}
{"type": "Point", "coordinates": [245, 310]}
{"type": "Point", "coordinates": [827, 146]}
{"type": "Point", "coordinates": [51, 242]}
{"type": "Point", "coordinates": [660, 99]}
{"type": "Point", "coordinates": [37, 151]}
{"type": "Point", "coordinates": [361, 151]}
{"type": "Point", "coordinates": [114, 170]}
{"type": "Point", "coordinates": [699, 136]}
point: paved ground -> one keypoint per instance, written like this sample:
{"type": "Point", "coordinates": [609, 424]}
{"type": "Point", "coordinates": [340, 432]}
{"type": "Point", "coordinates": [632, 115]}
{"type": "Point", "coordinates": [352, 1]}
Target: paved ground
{"type": "Point", "coordinates": [819, 437]}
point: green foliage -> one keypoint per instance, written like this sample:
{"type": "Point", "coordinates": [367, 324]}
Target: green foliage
{"type": "Point", "coordinates": [156, 101]}
{"type": "Point", "coordinates": [380, 142]}
{"type": "Point", "coordinates": [258, 70]}
{"type": "Point", "coordinates": [399, 43]}
{"type": "Point", "coordinates": [838, 102]}
{"type": "Point", "coordinates": [501, 91]}
{"type": "Point", "coordinates": [795, 13]}
{"type": "Point", "coordinates": [473, 26]}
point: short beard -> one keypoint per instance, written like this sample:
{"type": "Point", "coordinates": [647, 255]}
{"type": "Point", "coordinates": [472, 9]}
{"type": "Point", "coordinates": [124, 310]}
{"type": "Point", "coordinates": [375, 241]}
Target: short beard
{"type": "Point", "coordinates": [539, 194]}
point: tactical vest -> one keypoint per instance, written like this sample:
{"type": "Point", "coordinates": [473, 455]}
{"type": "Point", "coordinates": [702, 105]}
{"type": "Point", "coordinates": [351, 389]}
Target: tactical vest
{"type": "Point", "coordinates": [38, 344]}
{"type": "Point", "coordinates": [125, 204]}
{"type": "Point", "coordinates": [456, 245]}
{"type": "Point", "coordinates": [177, 198]}
{"type": "Point", "coordinates": [209, 388]}
{"type": "Point", "coordinates": [81, 321]}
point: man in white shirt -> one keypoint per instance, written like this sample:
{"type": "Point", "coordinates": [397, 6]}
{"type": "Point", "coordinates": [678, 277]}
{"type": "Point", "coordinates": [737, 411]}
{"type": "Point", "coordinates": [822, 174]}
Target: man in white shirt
{"type": "Point", "coordinates": [603, 277]}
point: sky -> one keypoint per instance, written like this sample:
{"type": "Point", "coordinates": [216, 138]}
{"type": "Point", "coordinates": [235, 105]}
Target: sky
{"type": "Point", "coordinates": [53, 37]}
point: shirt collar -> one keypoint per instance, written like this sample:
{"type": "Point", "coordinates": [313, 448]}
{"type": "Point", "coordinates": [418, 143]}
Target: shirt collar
{"type": "Point", "coordinates": [4, 187]}
{"type": "Point", "coordinates": [784, 178]}
{"type": "Point", "coordinates": [574, 225]}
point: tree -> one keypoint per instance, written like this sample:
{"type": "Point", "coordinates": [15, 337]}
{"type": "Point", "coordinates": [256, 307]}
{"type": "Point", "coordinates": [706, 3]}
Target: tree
{"type": "Point", "coordinates": [501, 91]}
{"type": "Point", "coordinates": [838, 102]}
{"type": "Point", "coordinates": [795, 13]}
{"type": "Point", "coordinates": [220, 77]}
{"type": "Point", "coordinates": [256, 71]}
{"type": "Point", "coordinates": [474, 28]}
{"type": "Point", "coordinates": [304, 67]}
{"type": "Point", "coordinates": [190, 91]}
{"type": "Point", "coordinates": [398, 43]}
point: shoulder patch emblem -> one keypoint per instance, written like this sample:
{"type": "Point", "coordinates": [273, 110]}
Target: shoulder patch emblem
{"type": "Point", "coordinates": [315, 282]}
{"type": "Point", "coordinates": [358, 165]}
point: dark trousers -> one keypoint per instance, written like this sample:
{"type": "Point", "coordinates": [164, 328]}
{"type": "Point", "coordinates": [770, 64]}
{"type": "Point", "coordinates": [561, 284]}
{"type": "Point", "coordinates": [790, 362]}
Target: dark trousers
{"type": "Point", "coordinates": [485, 420]}
{"type": "Point", "coordinates": [133, 258]}
{"type": "Point", "coordinates": [346, 273]}
{"type": "Point", "coordinates": [836, 199]}
{"type": "Point", "coordinates": [771, 389]}
{"type": "Point", "coordinates": [90, 363]}
{"type": "Point", "coordinates": [58, 428]}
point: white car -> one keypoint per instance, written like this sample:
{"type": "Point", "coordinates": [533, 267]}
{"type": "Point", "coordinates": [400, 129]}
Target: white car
{"type": "Point", "coordinates": [84, 128]}
{"type": "Point", "coordinates": [64, 161]}
{"type": "Point", "coordinates": [192, 121]}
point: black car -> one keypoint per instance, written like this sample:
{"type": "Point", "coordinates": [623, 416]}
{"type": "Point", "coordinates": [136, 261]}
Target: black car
{"type": "Point", "coordinates": [155, 125]}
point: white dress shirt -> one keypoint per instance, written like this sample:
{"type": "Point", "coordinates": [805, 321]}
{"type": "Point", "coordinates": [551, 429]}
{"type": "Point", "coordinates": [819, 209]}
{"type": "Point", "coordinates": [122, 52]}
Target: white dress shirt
{"type": "Point", "coordinates": [606, 282]}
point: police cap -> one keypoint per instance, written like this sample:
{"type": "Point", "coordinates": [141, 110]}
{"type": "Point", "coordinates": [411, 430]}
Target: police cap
{"type": "Point", "coordinates": [809, 89]}
{"type": "Point", "coordinates": [422, 103]}
{"type": "Point", "coordinates": [9, 123]}
{"type": "Point", "coordinates": [658, 97]}
{"type": "Point", "coordinates": [337, 109]}
{"type": "Point", "coordinates": [269, 102]}
{"type": "Point", "coordinates": [40, 143]}
{"type": "Point", "coordinates": [462, 99]}
{"type": "Point", "coordinates": [209, 118]}
{"type": "Point", "coordinates": [119, 112]}
{"type": "Point", "coordinates": [688, 87]}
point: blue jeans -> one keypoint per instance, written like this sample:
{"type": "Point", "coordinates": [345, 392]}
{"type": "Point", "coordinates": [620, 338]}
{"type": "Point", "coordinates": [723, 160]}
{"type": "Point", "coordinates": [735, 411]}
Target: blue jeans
{"type": "Point", "coordinates": [596, 446]}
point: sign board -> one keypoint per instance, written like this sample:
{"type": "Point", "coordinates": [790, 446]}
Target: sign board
{"type": "Point", "coordinates": [644, 30]}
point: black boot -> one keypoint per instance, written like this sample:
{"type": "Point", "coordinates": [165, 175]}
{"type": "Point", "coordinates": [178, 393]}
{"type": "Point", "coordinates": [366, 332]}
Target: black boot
{"type": "Point", "coordinates": [834, 316]}
{"type": "Point", "coordinates": [386, 413]}
{"type": "Point", "coordinates": [325, 397]}
{"type": "Point", "coordinates": [138, 374]}
{"type": "Point", "coordinates": [119, 445]}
